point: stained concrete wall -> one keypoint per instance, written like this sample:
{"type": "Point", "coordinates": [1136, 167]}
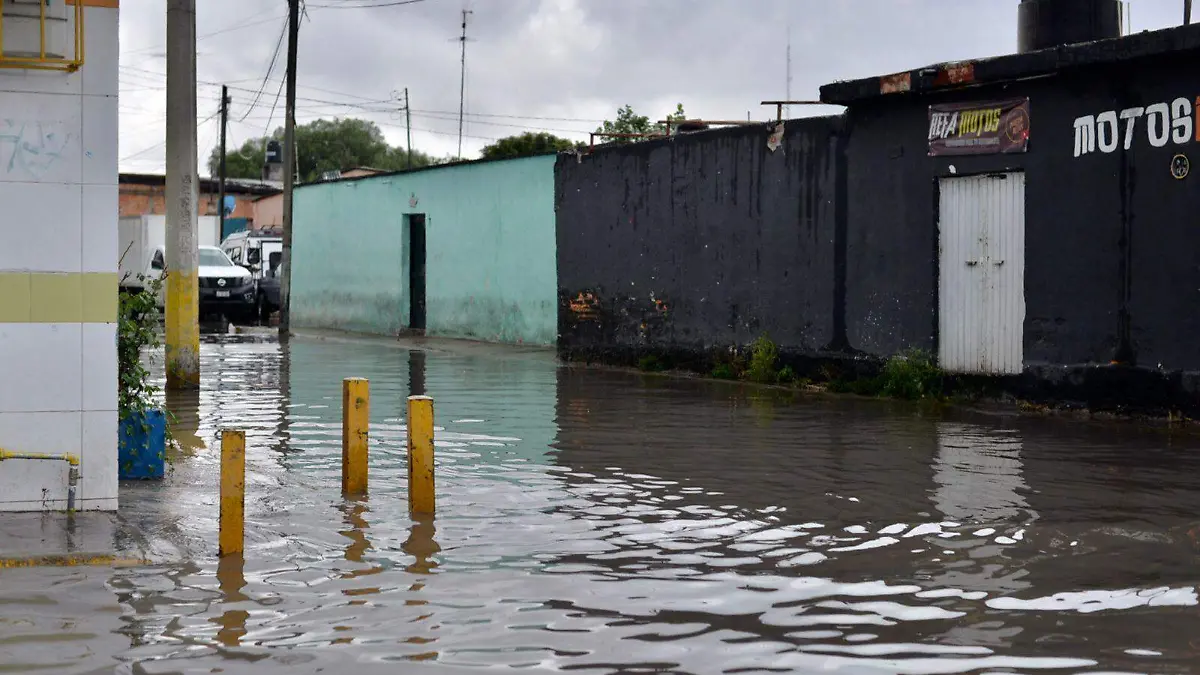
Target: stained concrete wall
{"type": "Point", "coordinates": [58, 271]}
{"type": "Point", "coordinates": [490, 251]}
{"type": "Point", "coordinates": [681, 246]}
{"type": "Point", "coordinates": [1111, 262]}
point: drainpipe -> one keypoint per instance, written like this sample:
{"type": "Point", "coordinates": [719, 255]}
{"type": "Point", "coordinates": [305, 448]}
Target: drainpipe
{"type": "Point", "coordinates": [72, 474]}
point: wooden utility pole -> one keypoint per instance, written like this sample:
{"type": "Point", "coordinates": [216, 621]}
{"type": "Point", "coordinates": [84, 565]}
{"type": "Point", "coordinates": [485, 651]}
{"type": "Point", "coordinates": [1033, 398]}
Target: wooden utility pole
{"type": "Point", "coordinates": [408, 125]}
{"type": "Point", "coordinates": [182, 242]}
{"type": "Point", "coordinates": [221, 188]}
{"type": "Point", "coordinates": [289, 175]}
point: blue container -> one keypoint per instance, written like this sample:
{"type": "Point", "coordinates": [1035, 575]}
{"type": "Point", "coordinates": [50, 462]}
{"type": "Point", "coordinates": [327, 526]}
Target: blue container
{"type": "Point", "coordinates": [142, 446]}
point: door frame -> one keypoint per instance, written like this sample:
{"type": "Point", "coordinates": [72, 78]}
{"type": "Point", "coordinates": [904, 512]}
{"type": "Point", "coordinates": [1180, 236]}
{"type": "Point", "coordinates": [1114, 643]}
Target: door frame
{"type": "Point", "coordinates": [413, 222]}
{"type": "Point", "coordinates": [950, 172]}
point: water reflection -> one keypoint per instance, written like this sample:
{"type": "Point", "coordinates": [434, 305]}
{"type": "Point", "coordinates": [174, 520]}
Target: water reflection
{"type": "Point", "coordinates": [613, 522]}
{"type": "Point", "coordinates": [232, 579]}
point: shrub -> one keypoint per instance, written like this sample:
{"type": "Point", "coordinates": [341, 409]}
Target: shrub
{"type": "Point", "coordinates": [763, 357]}
{"type": "Point", "coordinates": [912, 375]}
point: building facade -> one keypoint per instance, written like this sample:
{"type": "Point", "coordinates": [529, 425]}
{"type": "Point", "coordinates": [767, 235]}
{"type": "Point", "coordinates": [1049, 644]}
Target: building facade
{"type": "Point", "coordinates": [464, 250]}
{"type": "Point", "coordinates": [146, 195]}
{"type": "Point", "coordinates": [58, 264]}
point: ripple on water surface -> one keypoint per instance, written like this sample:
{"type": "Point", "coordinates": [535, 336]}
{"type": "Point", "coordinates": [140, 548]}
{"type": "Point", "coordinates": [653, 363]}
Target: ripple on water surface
{"type": "Point", "coordinates": [610, 522]}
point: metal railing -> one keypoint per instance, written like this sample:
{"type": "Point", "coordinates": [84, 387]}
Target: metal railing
{"type": "Point", "coordinates": [43, 58]}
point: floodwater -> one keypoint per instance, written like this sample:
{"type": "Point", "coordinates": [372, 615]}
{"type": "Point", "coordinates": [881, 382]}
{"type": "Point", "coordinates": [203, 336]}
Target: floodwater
{"type": "Point", "coordinates": [607, 522]}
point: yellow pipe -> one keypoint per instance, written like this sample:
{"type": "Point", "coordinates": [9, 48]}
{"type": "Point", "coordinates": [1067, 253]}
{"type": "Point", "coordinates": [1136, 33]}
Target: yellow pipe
{"type": "Point", "coordinates": [231, 533]}
{"type": "Point", "coordinates": [69, 560]}
{"type": "Point", "coordinates": [356, 406]}
{"type": "Point", "coordinates": [420, 455]}
{"type": "Point", "coordinates": [42, 28]}
{"type": "Point", "coordinates": [71, 460]}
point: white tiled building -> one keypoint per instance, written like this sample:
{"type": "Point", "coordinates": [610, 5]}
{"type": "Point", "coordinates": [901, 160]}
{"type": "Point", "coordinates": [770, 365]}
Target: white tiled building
{"type": "Point", "coordinates": [58, 259]}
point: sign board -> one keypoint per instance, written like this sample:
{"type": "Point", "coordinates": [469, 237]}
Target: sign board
{"type": "Point", "coordinates": [979, 127]}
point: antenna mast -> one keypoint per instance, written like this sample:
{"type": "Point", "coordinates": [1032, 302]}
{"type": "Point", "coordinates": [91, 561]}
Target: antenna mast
{"type": "Point", "coordinates": [462, 82]}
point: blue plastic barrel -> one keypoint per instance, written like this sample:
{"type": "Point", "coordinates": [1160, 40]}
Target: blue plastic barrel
{"type": "Point", "coordinates": [142, 446]}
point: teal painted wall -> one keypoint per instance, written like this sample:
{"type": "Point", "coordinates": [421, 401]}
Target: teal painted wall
{"type": "Point", "coordinates": [490, 258]}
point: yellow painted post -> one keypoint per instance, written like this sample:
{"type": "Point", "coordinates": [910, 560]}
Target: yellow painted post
{"type": "Point", "coordinates": [420, 454]}
{"type": "Point", "coordinates": [356, 406]}
{"type": "Point", "coordinates": [233, 492]}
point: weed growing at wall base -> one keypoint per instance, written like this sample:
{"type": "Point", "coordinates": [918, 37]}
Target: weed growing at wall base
{"type": "Point", "coordinates": [764, 354]}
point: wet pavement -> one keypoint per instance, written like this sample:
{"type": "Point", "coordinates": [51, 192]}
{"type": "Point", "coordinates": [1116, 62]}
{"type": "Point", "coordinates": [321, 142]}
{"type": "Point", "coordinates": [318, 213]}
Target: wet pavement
{"type": "Point", "coordinates": [600, 521]}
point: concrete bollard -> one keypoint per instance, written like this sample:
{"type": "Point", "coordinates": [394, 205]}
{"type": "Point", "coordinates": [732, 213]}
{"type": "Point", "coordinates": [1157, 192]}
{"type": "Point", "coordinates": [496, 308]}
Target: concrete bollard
{"type": "Point", "coordinates": [356, 407]}
{"type": "Point", "coordinates": [420, 455]}
{"type": "Point", "coordinates": [231, 535]}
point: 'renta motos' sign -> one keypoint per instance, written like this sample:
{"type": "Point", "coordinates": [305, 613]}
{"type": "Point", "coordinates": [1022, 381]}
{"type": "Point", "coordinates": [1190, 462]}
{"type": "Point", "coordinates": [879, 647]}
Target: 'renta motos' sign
{"type": "Point", "coordinates": [979, 127]}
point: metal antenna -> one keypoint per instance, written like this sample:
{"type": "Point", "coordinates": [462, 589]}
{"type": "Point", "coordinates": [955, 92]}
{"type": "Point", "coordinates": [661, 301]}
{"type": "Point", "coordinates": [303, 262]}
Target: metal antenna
{"type": "Point", "coordinates": [462, 83]}
{"type": "Point", "coordinates": [787, 110]}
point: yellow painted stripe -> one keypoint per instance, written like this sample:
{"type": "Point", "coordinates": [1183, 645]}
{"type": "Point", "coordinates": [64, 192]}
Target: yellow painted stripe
{"type": "Point", "coordinates": [58, 297]}
{"type": "Point", "coordinates": [111, 4]}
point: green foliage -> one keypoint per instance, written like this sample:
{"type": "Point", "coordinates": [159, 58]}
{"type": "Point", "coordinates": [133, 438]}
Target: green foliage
{"type": "Point", "coordinates": [651, 364]}
{"type": "Point", "coordinates": [724, 371]}
{"type": "Point", "coordinates": [523, 145]}
{"type": "Point", "coordinates": [787, 375]}
{"type": "Point", "coordinates": [323, 145]}
{"type": "Point", "coordinates": [137, 329]}
{"type": "Point", "coordinates": [912, 375]}
{"type": "Point", "coordinates": [629, 122]}
{"type": "Point", "coordinates": [763, 357]}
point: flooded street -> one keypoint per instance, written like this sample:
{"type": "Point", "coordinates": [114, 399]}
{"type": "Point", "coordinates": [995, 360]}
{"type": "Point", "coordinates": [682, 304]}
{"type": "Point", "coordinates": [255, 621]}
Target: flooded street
{"type": "Point", "coordinates": [606, 522]}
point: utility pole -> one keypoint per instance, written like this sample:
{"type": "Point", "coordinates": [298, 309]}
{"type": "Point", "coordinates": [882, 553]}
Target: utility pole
{"type": "Point", "coordinates": [1187, 12]}
{"type": "Point", "coordinates": [289, 175]}
{"type": "Point", "coordinates": [221, 189]}
{"type": "Point", "coordinates": [408, 125]}
{"type": "Point", "coordinates": [182, 295]}
{"type": "Point", "coordinates": [462, 82]}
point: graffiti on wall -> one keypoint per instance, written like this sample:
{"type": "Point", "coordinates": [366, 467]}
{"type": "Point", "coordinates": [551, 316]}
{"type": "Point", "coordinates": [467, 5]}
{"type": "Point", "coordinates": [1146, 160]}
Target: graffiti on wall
{"type": "Point", "coordinates": [29, 150]}
{"type": "Point", "coordinates": [1158, 124]}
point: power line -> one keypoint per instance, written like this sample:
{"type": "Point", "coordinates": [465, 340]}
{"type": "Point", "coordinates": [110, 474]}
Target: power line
{"type": "Point", "coordinates": [267, 77]}
{"type": "Point", "coordinates": [390, 3]}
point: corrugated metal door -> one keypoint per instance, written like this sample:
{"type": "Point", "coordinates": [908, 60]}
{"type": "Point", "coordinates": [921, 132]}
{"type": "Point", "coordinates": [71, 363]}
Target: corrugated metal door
{"type": "Point", "coordinates": [981, 286]}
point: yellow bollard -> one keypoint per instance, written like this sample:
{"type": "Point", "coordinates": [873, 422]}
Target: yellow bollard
{"type": "Point", "coordinates": [356, 407]}
{"type": "Point", "coordinates": [420, 454]}
{"type": "Point", "coordinates": [233, 492]}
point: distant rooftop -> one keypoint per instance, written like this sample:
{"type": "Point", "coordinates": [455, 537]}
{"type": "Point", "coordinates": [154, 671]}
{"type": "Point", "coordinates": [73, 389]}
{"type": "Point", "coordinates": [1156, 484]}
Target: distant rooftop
{"type": "Point", "coordinates": [232, 185]}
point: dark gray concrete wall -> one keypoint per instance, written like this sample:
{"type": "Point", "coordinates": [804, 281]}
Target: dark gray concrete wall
{"type": "Point", "coordinates": [700, 242]}
{"type": "Point", "coordinates": [1112, 251]}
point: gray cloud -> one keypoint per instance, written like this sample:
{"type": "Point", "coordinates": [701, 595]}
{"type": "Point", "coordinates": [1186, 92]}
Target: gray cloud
{"type": "Point", "coordinates": [574, 60]}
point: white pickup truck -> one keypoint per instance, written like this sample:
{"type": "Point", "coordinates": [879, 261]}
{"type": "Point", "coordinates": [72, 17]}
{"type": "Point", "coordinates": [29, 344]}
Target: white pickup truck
{"type": "Point", "coordinates": [225, 288]}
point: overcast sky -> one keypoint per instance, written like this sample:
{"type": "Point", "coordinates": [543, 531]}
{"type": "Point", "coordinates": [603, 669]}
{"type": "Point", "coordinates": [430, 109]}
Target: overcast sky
{"type": "Point", "coordinates": [555, 65]}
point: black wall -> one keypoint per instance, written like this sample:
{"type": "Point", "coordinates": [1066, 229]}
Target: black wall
{"type": "Point", "coordinates": [830, 244]}
{"type": "Point", "coordinates": [699, 242]}
{"type": "Point", "coordinates": [1112, 240]}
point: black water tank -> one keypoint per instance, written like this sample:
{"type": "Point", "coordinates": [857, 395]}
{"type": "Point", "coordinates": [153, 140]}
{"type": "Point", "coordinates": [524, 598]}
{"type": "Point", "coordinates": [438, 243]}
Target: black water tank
{"type": "Point", "coordinates": [1050, 23]}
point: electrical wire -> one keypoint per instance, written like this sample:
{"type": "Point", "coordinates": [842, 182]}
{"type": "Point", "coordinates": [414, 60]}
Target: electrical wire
{"type": "Point", "coordinates": [267, 77]}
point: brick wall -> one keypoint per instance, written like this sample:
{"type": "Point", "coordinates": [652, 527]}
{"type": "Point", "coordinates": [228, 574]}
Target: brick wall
{"type": "Point", "coordinates": [150, 200]}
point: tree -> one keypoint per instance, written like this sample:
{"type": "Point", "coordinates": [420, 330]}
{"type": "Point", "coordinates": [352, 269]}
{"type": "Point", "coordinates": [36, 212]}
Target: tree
{"type": "Point", "coordinates": [528, 143]}
{"type": "Point", "coordinates": [629, 122]}
{"type": "Point", "coordinates": [322, 145]}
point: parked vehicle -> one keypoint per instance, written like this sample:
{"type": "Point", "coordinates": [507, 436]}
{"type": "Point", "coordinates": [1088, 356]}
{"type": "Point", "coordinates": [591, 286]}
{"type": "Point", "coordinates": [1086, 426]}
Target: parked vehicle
{"type": "Point", "coordinates": [225, 288]}
{"type": "Point", "coordinates": [139, 237]}
{"type": "Point", "coordinates": [268, 293]}
{"type": "Point", "coordinates": [257, 250]}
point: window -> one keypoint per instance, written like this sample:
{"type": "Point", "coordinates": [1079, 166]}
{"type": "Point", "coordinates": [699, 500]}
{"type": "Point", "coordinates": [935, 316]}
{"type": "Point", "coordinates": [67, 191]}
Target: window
{"type": "Point", "coordinates": [235, 254]}
{"type": "Point", "coordinates": [214, 257]}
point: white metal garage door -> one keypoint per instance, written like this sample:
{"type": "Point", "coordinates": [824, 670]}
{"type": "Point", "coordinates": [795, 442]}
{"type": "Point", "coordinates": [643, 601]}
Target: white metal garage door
{"type": "Point", "coordinates": [981, 286]}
